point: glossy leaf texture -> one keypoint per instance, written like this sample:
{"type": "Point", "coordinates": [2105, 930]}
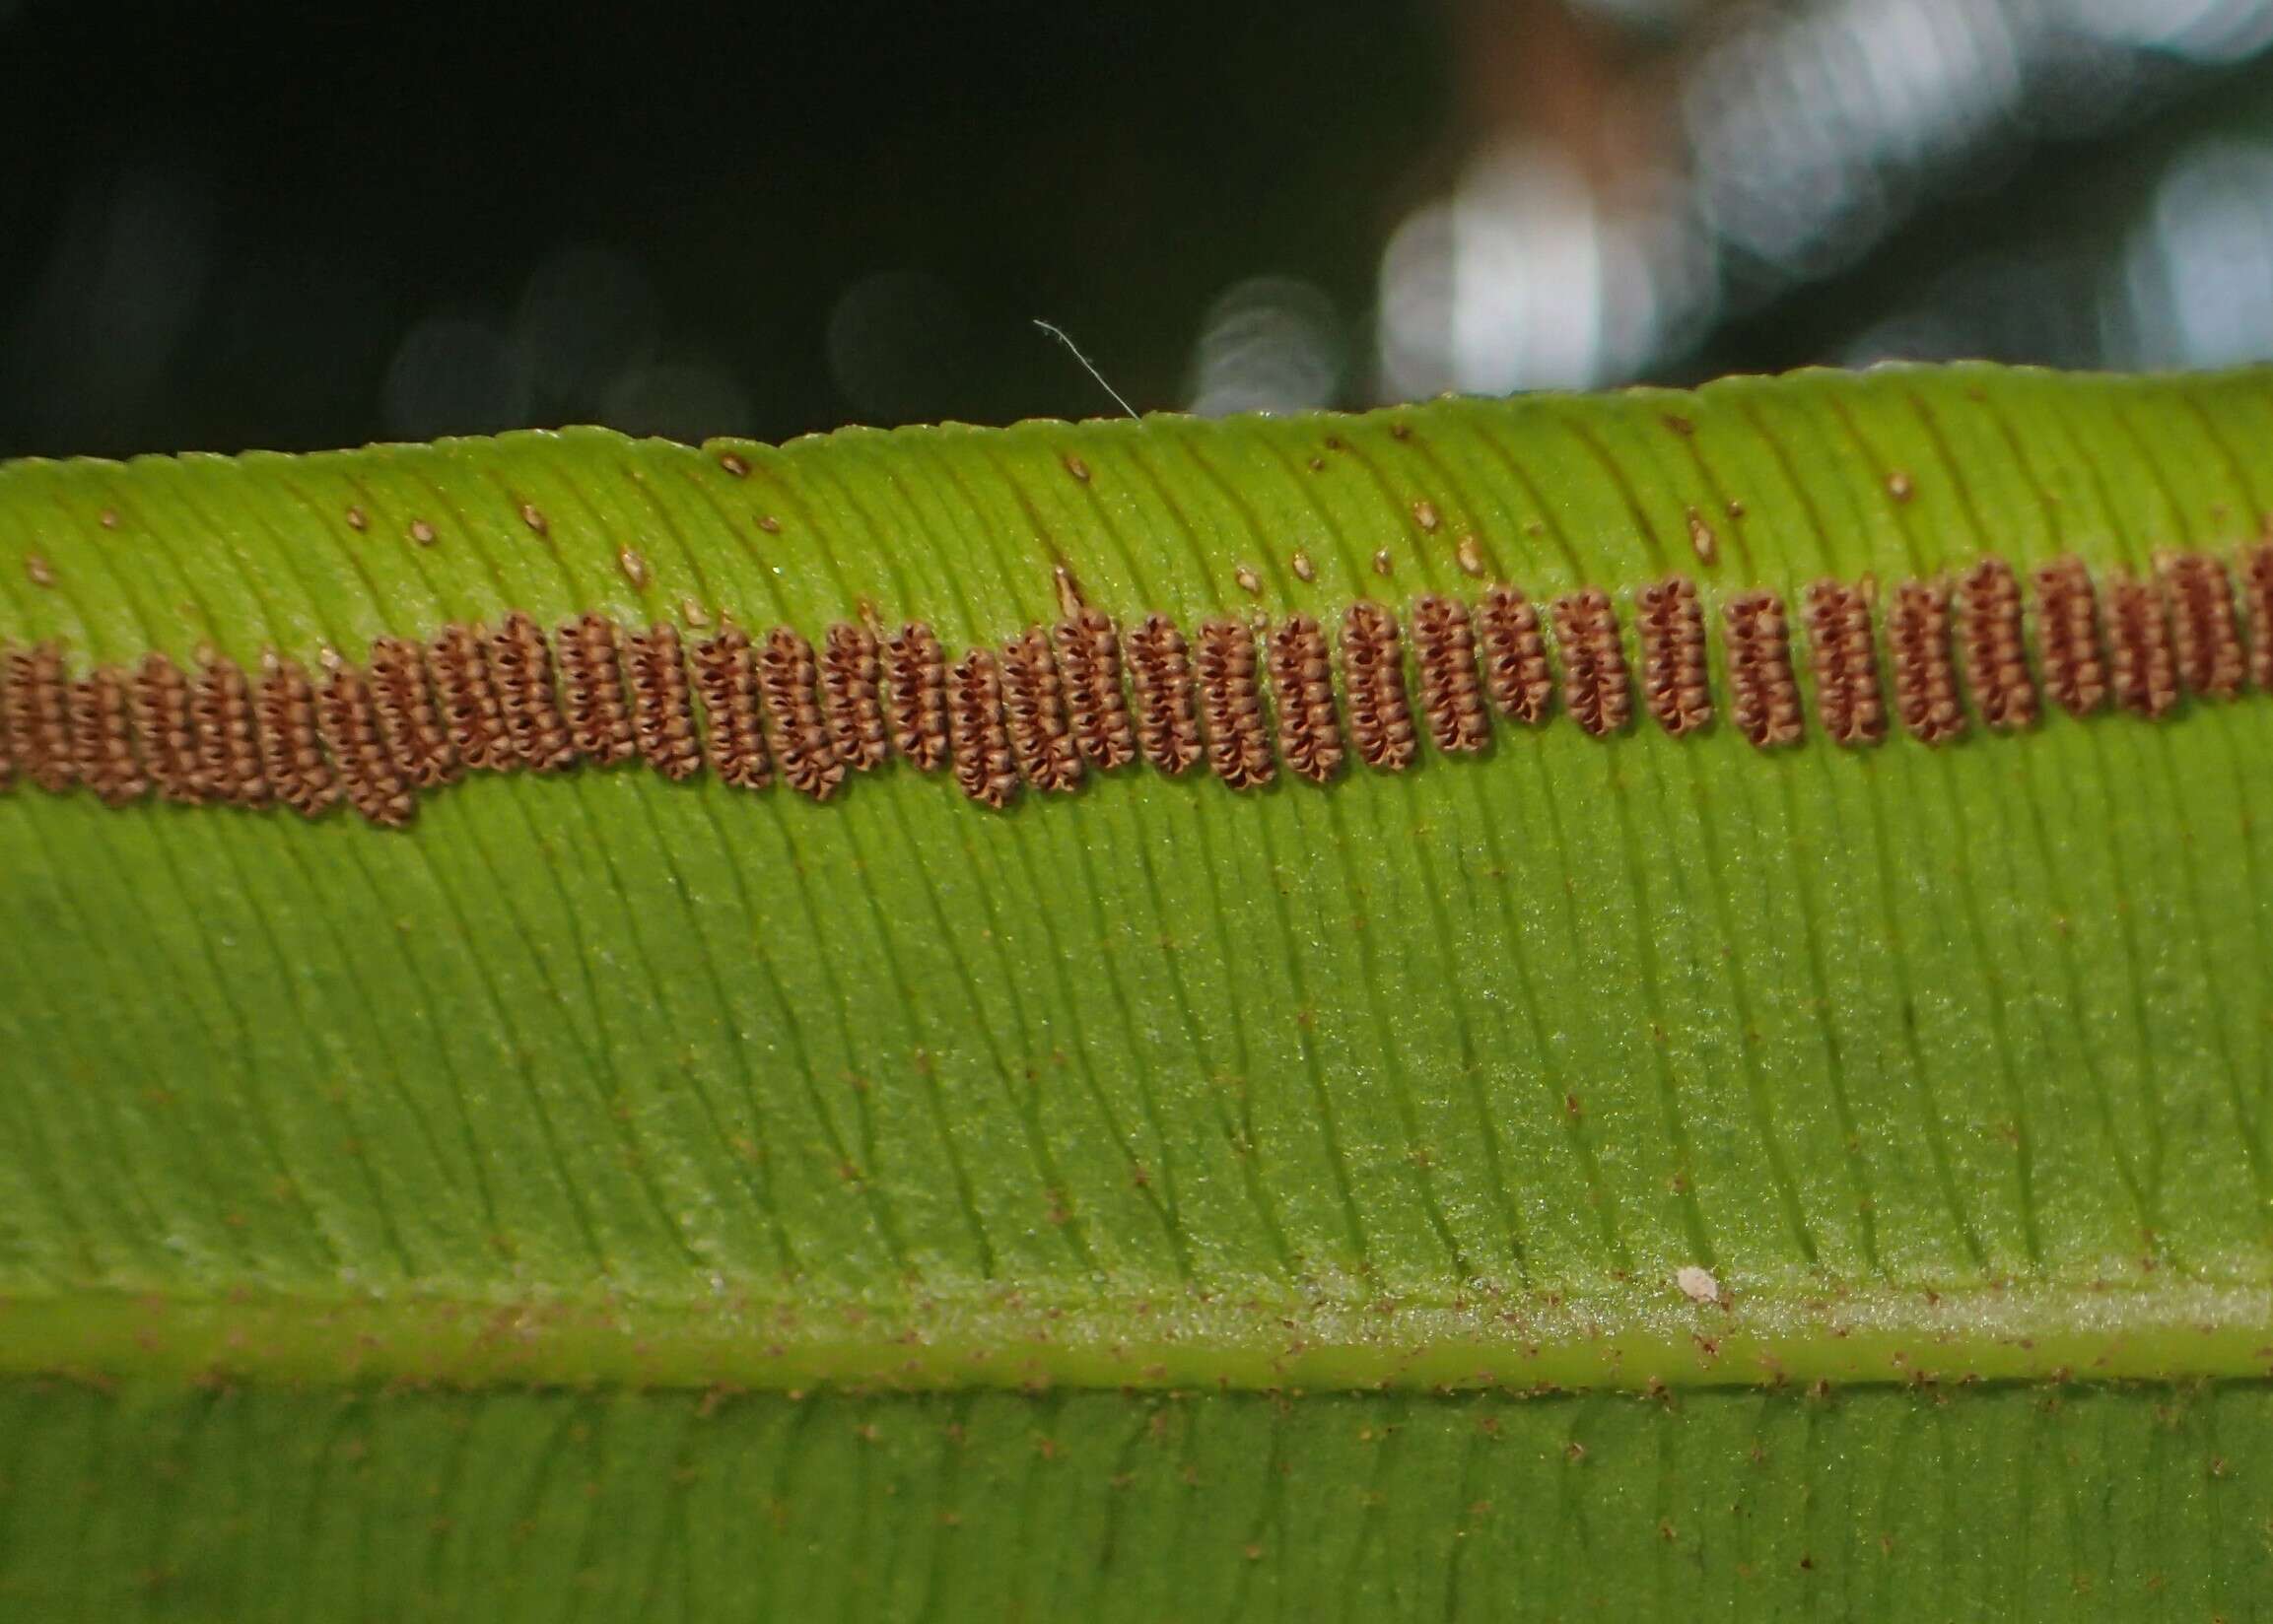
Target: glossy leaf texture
{"type": "Point", "coordinates": [1725, 1074]}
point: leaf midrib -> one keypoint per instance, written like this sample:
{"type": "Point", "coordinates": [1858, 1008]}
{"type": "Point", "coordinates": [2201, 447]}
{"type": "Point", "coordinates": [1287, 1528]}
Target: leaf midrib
{"type": "Point", "coordinates": [1637, 1339]}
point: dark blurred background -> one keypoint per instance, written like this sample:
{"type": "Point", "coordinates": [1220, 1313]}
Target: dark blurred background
{"type": "Point", "coordinates": [297, 225]}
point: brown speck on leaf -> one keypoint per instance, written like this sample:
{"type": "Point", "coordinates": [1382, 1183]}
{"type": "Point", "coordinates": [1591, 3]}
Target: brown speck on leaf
{"type": "Point", "coordinates": [532, 517]}
{"type": "Point", "coordinates": [357, 519]}
{"type": "Point", "coordinates": [1898, 485]}
{"type": "Point", "coordinates": [1680, 425]}
{"type": "Point", "coordinates": [42, 572]}
{"type": "Point", "coordinates": [1469, 556]}
{"type": "Point", "coordinates": [1701, 540]}
{"type": "Point", "coordinates": [1381, 562]}
{"type": "Point", "coordinates": [1076, 467]}
{"type": "Point", "coordinates": [422, 532]}
{"type": "Point", "coordinates": [1424, 515]}
{"type": "Point", "coordinates": [1735, 508]}
{"type": "Point", "coordinates": [733, 465]}
{"type": "Point", "coordinates": [1248, 581]}
{"type": "Point", "coordinates": [770, 524]}
{"type": "Point", "coordinates": [1318, 465]}
{"type": "Point", "coordinates": [1400, 430]}
{"type": "Point", "coordinates": [693, 613]}
{"type": "Point", "coordinates": [108, 519]}
{"type": "Point", "coordinates": [634, 567]}
{"type": "Point", "coordinates": [1304, 569]}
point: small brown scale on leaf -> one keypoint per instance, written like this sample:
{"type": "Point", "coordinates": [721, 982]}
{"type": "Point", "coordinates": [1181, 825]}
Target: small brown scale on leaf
{"type": "Point", "coordinates": [1231, 701]}
{"type": "Point", "coordinates": [471, 711]}
{"type": "Point", "coordinates": [1845, 663]}
{"type": "Point", "coordinates": [1160, 671]}
{"type": "Point", "coordinates": [1089, 662]}
{"type": "Point", "coordinates": [102, 749]}
{"type": "Point", "coordinates": [347, 721]}
{"type": "Point", "coordinates": [291, 738]}
{"type": "Point", "coordinates": [1373, 670]}
{"type": "Point", "coordinates": [2206, 640]}
{"type": "Point", "coordinates": [1925, 677]}
{"type": "Point", "coordinates": [409, 723]}
{"type": "Point", "coordinates": [164, 730]}
{"type": "Point", "coordinates": [1451, 694]}
{"type": "Point", "coordinates": [852, 689]}
{"type": "Point", "coordinates": [734, 739]}
{"type": "Point", "coordinates": [228, 736]}
{"type": "Point", "coordinates": [978, 740]}
{"type": "Point", "coordinates": [2068, 636]}
{"type": "Point", "coordinates": [592, 673]}
{"type": "Point", "coordinates": [789, 681]}
{"type": "Point", "coordinates": [2146, 671]}
{"type": "Point", "coordinates": [1764, 697]}
{"type": "Point", "coordinates": [916, 678]}
{"type": "Point", "coordinates": [1596, 689]}
{"type": "Point", "coordinates": [1302, 683]}
{"type": "Point", "coordinates": [1674, 680]}
{"type": "Point", "coordinates": [1034, 702]}
{"type": "Point", "coordinates": [1996, 663]}
{"type": "Point", "coordinates": [662, 705]}
{"type": "Point", "coordinates": [1516, 674]}
{"type": "Point", "coordinates": [520, 663]}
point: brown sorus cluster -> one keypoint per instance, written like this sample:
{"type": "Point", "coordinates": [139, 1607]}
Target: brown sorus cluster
{"type": "Point", "coordinates": [409, 721]}
{"type": "Point", "coordinates": [599, 718]}
{"type": "Point", "coordinates": [347, 721]}
{"type": "Point", "coordinates": [1080, 693]}
{"type": "Point", "coordinates": [851, 690]}
{"type": "Point", "coordinates": [1515, 669]}
{"type": "Point", "coordinates": [520, 664]}
{"type": "Point", "coordinates": [1160, 670]}
{"type": "Point", "coordinates": [1674, 681]}
{"type": "Point", "coordinates": [978, 741]}
{"type": "Point", "coordinates": [734, 738]}
{"type": "Point", "coordinates": [470, 710]}
{"type": "Point", "coordinates": [1089, 656]}
{"type": "Point", "coordinates": [789, 681]}
{"type": "Point", "coordinates": [102, 756]}
{"type": "Point", "coordinates": [2205, 640]}
{"type": "Point", "coordinates": [1303, 687]}
{"type": "Point", "coordinates": [1845, 663]}
{"type": "Point", "coordinates": [1764, 697]}
{"type": "Point", "coordinates": [1996, 661]}
{"type": "Point", "coordinates": [292, 753]}
{"type": "Point", "coordinates": [663, 703]}
{"type": "Point", "coordinates": [1925, 678]}
{"type": "Point", "coordinates": [1034, 706]}
{"type": "Point", "coordinates": [2257, 604]}
{"type": "Point", "coordinates": [917, 675]}
{"type": "Point", "coordinates": [1373, 669]}
{"type": "Point", "coordinates": [1595, 686]}
{"type": "Point", "coordinates": [164, 730]}
{"type": "Point", "coordinates": [2068, 636]}
{"type": "Point", "coordinates": [2146, 672]}
{"type": "Point", "coordinates": [1451, 695]}
{"type": "Point", "coordinates": [1231, 699]}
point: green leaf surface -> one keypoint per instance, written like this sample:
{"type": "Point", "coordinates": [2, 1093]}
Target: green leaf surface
{"type": "Point", "coordinates": [609, 1195]}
